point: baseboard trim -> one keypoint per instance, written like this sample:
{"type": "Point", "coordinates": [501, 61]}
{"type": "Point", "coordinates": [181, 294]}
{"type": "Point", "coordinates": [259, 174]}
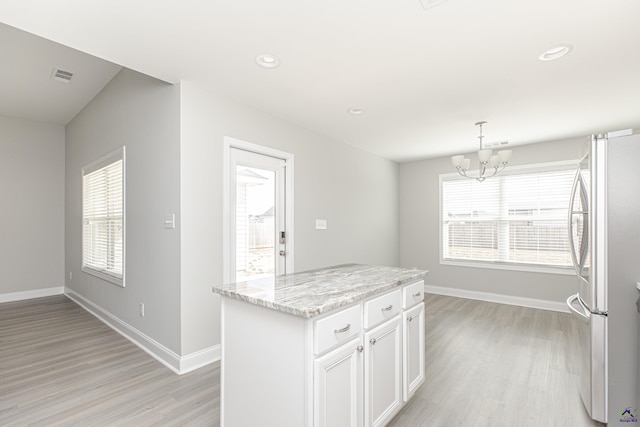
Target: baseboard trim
{"type": "Point", "coordinates": [178, 364]}
{"type": "Point", "coordinates": [201, 358]}
{"type": "Point", "coordinates": [36, 293]}
{"type": "Point", "coordinates": [498, 298]}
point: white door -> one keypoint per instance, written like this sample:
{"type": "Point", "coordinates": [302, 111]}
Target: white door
{"type": "Point", "coordinates": [338, 387]}
{"type": "Point", "coordinates": [257, 219]}
{"type": "Point", "coordinates": [413, 351]}
{"type": "Point", "coordinates": [382, 381]}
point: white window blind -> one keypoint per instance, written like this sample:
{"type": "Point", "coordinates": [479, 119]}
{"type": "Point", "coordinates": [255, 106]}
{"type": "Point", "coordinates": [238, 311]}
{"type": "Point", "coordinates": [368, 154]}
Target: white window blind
{"type": "Point", "coordinates": [103, 218]}
{"type": "Point", "coordinates": [518, 218]}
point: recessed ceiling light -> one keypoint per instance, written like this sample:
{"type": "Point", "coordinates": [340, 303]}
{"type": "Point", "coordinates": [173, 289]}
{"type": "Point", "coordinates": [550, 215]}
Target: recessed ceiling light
{"type": "Point", "coordinates": [355, 111]}
{"type": "Point", "coordinates": [267, 61]}
{"type": "Point", "coordinates": [556, 52]}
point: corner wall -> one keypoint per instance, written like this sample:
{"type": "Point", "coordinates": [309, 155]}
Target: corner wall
{"type": "Point", "coordinates": [419, 235]}
{"type": "Point", "coordinates": [32, 187]}
{"type": "Point", "coordinates": [142, 114]}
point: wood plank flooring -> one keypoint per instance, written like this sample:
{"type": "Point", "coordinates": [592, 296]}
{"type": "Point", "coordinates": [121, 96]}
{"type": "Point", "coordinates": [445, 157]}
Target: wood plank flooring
{"type": "Point", "coordinates": [496, 365]}
{"type": "Point", "coordinates": [487, 365]}
{"type": "Point", "coordinates": [60, 366]}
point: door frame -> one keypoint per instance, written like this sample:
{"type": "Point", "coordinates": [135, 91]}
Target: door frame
{"type": "Point", "coordinates": [227, 145]}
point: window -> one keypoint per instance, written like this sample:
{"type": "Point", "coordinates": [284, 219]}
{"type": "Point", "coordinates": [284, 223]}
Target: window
{"type": "Point", "coordinates": [103, 218]}
{"type": "Point", "coordinates": [516, 220]}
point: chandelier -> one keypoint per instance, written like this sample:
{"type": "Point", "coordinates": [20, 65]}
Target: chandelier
{"type": "Point", "coordinates": [490, 164]}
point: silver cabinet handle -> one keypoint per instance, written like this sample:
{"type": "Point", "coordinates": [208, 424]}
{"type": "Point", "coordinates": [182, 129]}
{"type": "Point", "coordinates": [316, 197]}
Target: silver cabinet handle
{"type": "Point", "coordinates": [416, 295]}
{"type": "Point", "coordinates": [372, 341]}
{"type": "Point", "coordinates": [360, 348]}
{"type": "Point", "coordinates": [387, 308]}
{"type": "Point", "coordinates": [410, 318]}
{"type": "Point", "coordinates": [345, 329]}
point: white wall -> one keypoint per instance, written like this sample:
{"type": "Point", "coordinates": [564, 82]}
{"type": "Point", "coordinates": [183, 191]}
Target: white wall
{"type": "Point", "coordinates": [32, 190]}
{"type": "Point", "coordinates": [354, 191]}
{"type": "Point", "coordinates": [419, 230]}
{"type": "Point", "coordinates": [142, 114]}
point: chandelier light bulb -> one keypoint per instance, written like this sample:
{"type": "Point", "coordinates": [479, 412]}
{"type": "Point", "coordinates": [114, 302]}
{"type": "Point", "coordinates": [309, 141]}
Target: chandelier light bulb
{"type": "Point", "coordinates": [457, 160]}
{"type": "Point", "coordinates": [504, 155]}
{"type": "Point", "coordinates": [484, 155]}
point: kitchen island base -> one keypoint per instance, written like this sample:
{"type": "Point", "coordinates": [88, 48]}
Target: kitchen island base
{"type": "Point", "coordinates": [355, 364]}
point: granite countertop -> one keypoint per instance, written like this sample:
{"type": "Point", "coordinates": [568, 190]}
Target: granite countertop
{"type": "Point", "coordinates": [310, 293]}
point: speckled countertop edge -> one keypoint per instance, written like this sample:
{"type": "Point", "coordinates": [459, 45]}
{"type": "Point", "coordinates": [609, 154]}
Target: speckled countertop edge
{"type": "Point", "coordinates": [310, 293]}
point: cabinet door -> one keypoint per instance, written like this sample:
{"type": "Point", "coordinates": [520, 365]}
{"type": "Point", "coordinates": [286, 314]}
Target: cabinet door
{"type": "Point", "coordinates": [382, 381]}
{"type": "Point", "coordinates": [413, 350]}
{"type": "Point", "coordinates": [337, 394]}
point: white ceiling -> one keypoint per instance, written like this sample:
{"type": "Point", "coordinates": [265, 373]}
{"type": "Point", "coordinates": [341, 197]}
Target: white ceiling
{"type": "Point", "coordinates": [423, 77]}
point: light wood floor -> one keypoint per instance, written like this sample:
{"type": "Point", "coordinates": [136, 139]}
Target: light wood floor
{"type": "Point", "coordinates": [59, 365]}
{"type": "Point", "coordinates": [487, 365]}
{"type": "Point", "coordinates": [496, 365]}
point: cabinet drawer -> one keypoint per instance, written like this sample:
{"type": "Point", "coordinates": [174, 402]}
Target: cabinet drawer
{"type": "Point", "coordinates": [336, 328]}
{"type": "Point", "coordinates": [382, 308]}
{"type": "Point", "coordinates": [413, 294]}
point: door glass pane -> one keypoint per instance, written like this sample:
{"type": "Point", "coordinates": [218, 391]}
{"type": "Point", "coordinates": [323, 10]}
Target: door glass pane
{"type": "Point", "coordinates": [255, 232]}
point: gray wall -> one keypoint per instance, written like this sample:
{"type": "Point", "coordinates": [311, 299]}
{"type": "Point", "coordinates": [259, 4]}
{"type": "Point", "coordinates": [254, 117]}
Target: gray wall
{"type": "Point", "coordinates": [142, 114]}
{"type": "Point", "coordinates": [419, 229]}
{"type": "Point", "coordinates": [32, 190]}
{"type": "Point", "coordinates": [354, 191]}
{"type": "Point", "coordinates": [174, 140]}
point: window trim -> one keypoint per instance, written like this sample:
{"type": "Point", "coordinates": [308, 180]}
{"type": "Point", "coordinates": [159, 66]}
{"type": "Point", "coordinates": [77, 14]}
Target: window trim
{"type": "Point", "coordinates": [501, 265]}
{"type": "Point", "coordinates": [107, 159]}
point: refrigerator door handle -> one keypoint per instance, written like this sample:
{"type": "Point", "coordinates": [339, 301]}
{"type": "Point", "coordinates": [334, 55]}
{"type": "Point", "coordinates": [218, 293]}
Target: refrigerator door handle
{"type": "Point", "coordinates": [583, 313]}
{"type": "Point", "coordinates": [584, 241]}
{"type": "Point", "coordinates": [574, 190]}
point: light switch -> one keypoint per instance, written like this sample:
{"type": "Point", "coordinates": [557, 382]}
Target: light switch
{"type": "Point", "coordinates": [321, 224]}
{"type": "Point", "coordinates": [170, 221]}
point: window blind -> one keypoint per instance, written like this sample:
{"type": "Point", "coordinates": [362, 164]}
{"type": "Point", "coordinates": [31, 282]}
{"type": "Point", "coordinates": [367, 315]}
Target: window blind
{"type": "Point", "coordinates": [103, 217]}
{"type": "Point", "coordinates": [519, 217]}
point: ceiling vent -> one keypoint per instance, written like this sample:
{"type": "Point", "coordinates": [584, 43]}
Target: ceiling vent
{"type": "Point", "coordinates": [495, 144]}
{"type": "Point", "coordinates": [428, 4]}
{"type": "Point", "coordinates": [61, 75]}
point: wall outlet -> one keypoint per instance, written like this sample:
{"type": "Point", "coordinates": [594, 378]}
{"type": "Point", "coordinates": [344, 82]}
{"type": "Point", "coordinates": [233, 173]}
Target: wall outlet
{"type": "Point", "coordinates": [141, 309]}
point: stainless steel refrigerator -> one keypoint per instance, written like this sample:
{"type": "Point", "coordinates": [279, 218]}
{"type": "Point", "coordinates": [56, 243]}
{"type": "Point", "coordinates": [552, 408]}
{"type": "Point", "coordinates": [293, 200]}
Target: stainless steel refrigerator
{"type": "Point", "coordinates": [605, 243]}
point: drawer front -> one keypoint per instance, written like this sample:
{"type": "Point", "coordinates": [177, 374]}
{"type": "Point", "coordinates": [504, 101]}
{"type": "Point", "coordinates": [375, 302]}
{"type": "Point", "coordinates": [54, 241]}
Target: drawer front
{"type": "Point", "coordinates": [413, 294]}
{"type": "Point", "coordinates": [336, 328]}
{"type": "Point", "coordinates": [382, 308]}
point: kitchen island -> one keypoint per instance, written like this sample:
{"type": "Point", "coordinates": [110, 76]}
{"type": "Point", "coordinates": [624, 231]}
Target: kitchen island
{"type": "Point", "coordinates": [342, 345]}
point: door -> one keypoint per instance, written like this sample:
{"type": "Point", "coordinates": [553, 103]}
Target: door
{"type": "Point", "coordinates": [383, 377]}
{"type": "Point", "coordinates": [579, 228]}
{"type": "Point", "coordinates": [413, 350]}
{"type": "Point", "coordinates": [257, 217]}
{"type": "Point", "coordinates": [338, 387]}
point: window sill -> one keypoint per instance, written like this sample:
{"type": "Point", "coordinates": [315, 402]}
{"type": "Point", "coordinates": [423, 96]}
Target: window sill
{"type": "Point", "coordinates": [104, 276]}
{"type": "Point", "coordinates": [568, 271]}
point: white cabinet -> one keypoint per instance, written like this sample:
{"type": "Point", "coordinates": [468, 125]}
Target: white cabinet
{"type": "Point", "coordinates": [382, 365]}
{"type": "Point", "coordinates": [413, 350]}
{"type": "Point", "coordinates": [338, 387]}
{"type": "Point", "coordinates": [355, 366]}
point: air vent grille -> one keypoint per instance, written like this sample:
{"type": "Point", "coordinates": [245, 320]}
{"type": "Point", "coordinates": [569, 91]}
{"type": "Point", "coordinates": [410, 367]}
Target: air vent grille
{"type": "Point", "coordinates": [61, 75]}
{"type": "Point", "coordinates": [428, 4]}
{"type": "Point", "coordinates": [495, 144]}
